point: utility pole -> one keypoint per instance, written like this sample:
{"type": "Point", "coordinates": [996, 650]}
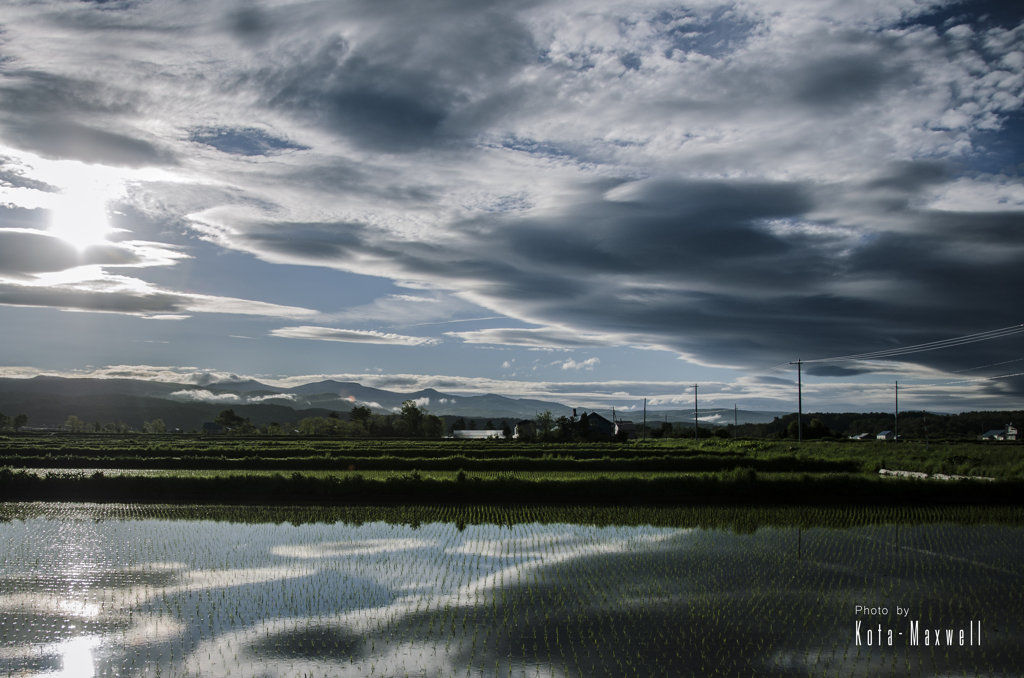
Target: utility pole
{"type": "Point", "coordinates": [695, 434]}
{"type": "Point", "coordinates": [799, 401]}
{"type": "Point", "coordinates": [926, 431]}
{"type": "Point", "coordinates": [645, 418]}
{"type": "Point", "coordinates": [896, 433]}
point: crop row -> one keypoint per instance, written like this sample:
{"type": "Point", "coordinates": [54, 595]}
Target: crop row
{"type": "Point", "coordinates": [1002, 461]}
{"type": "Point", "coordinates": [691, 464]}
{"type": "Point", "coordinates": [739, 486]}
{"type": "Point", "coordinates": [738, 519]}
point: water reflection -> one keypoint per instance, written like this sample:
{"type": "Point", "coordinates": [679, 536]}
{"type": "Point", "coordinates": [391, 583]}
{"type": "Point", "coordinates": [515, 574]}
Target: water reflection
{"type": "Point", "coordinates": [218, 599]}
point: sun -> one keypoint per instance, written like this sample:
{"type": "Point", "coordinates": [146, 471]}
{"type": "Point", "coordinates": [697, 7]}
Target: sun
{"type": "Point", "coordinates": [80, 218]}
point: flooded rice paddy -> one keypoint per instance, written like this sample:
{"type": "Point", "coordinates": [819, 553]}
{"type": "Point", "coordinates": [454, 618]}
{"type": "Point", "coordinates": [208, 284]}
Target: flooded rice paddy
{"type": "Point", "coordinates": [115, 591]}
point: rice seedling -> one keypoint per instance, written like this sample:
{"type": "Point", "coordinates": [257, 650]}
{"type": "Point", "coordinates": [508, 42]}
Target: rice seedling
{"type": "Point", "coordinates": [525, 591]}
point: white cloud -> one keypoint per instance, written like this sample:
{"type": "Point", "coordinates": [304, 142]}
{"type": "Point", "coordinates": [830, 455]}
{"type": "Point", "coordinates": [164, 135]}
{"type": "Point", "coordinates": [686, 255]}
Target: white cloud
{"type": "Point", "coordinates": [274, 396]}
{"type": "Point", "coordinates": [543, 338]}
{"type": "Point", "coordinates": [587, 364]}
{"type": "Point", "coordinates": [352, 336]}
{"type": "Point", "coordinates": [201, 303]}
{"type": "Point", "coordinates": [207, 396]}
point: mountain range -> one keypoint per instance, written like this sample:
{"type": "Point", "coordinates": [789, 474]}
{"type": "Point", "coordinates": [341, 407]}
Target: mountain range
{"type": "Point", "coordinates": [49, 401]}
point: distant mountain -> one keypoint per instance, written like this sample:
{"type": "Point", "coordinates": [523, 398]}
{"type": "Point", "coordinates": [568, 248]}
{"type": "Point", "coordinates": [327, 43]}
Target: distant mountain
{"type": "Point", "coordinates": [249, 385]}
{"type": "Point", "coordinates": [88, 387]}
{"type": "Point", "coordinates": [51, 411]}
{"type": "Point", "coordinates": [49, 401]}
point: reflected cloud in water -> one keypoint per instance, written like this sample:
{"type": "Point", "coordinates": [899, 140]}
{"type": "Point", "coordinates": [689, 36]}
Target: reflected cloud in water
{"type": "Point", "coordinates": [216, 599]}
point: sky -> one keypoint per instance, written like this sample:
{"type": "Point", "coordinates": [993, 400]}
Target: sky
{"type": "Point", "coordinates": [589, 201]}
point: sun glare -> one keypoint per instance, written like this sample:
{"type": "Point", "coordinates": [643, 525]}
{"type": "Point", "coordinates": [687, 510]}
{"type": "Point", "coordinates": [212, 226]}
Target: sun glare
{"type": "Point", "coordinates": [81, 218]}
{"type": "Point", "coordinates": [78, 208]}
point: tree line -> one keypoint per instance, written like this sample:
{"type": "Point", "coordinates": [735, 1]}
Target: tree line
{"type": "Point", "coordinates": [412, 421]}
{"type": "Point", "coordinates": [15, 423]}
{"type": "Point", "coordinates": [911, 424]}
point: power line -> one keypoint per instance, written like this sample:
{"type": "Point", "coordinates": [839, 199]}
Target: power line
{"type": "Point", "coordinates": [967, 381]}
{"type": "Point", "coordinates": [930, 346]}
{"type": "Point", "coordinates": [971, 369]}
{"type": "Point", "coordinates": [776, 368]}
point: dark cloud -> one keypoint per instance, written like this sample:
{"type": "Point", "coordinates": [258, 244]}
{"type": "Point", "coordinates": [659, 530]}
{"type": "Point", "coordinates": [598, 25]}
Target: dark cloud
{"type": "Point", "coordinates": [666, 225]}
{"type": "Point", "coordinates": [911, 176]}
{"type": "Point", "coordinates": [31, 92]}
{"type": "Point", "coordinates": [69, 140]}
{"type": "Point", "coordinates": [110, 301]}
{"type": "Point", "coordinates": [23, 253]}
{"type": "Point", "coordinates": [842, 81]}
{"type": "Point", "coordinates": [315, 242]}
{"type": "Point", "coordinates": [400, 93]}
{"type": "Point", "coordinates": [250, 24]}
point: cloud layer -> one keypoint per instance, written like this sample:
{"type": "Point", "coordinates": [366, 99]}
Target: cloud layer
{"type": "Point", "coordinates": [740, 184]}
{"type": "Point", "coordinates": [921, 389]}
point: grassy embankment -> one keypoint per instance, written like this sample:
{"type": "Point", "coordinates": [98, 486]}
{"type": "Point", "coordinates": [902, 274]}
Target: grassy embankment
{"type": "Point", "coordinates": [192, 468]}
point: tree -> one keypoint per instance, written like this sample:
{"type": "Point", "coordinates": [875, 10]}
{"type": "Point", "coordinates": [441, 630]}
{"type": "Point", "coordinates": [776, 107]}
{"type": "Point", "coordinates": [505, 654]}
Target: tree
{"type": "Point", "coordinates": [816, 429]}
{"type": "Point", "coordinates": [229, 419]}
{"type": "Point", "coordinates": [20, 421]}
{"type": "Point", "coordinates": [489, 426]}
{"type": "Point", "coordinates": [664, 431]}
{"type": "Point", "coordinates": [361, 415]}
{"type": "Point", "coordinates": [155, 426]}
{"type": "Point", "coordinates": [313, 426]}
{"type": "Point", "coordinates": [506, 430]}
{"type": "Point", "coordinates": [75, 425]}
{"type": "Point", "coordinates": [412, 418]}
{"type": "Point", "coordinates": [459, 424]}
{"type": "Point", "coordinates": [545, 422]}
{"type": "Point", "coordinates": [565, 427]}
{"type": "Point", "coordinates": [116, 427]}
{"type": "Point", "coordinates": [381, 425]}
{"type": "Point", "coordinates": [433, 426]}
{"type": "Point", "coordinates": [333, 415]}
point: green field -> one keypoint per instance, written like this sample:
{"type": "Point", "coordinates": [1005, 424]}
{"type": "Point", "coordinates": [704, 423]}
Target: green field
{"type": "Point", "coordinates": [996, 460]}
{"type": "Point", "coordinates": [297, 470]}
